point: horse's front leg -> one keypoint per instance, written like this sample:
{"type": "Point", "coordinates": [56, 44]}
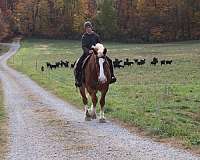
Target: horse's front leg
{"type": "Point", "coordinates": [85, 102]}
{"type": "Point", "coordinates": [102, 104]}
{"type": "Point", "coordinates": [87, 114]}
{"type": "Point", "coordinates": [93, 107]}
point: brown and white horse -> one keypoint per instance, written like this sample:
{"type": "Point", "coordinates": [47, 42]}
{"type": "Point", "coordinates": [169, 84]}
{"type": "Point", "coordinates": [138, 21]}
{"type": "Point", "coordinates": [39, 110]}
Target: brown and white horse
{"type": "Point", "coordinates": [96, 78]}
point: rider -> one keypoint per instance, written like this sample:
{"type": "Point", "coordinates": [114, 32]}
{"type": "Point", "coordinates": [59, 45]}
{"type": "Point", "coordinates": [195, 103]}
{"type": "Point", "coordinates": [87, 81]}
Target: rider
{"type": "Point", "coordinates": [89, 39]}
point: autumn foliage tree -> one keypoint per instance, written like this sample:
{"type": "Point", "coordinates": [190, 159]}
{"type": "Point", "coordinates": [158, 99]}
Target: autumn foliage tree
{"type": "Point", "coordinates": [106, 20]}
{"type": "Point", "coordinates": [4, 28]}
{"type": "Point", "coordinates": [5, 24]}
{"type": "Point", "coordinates": [124, 20]}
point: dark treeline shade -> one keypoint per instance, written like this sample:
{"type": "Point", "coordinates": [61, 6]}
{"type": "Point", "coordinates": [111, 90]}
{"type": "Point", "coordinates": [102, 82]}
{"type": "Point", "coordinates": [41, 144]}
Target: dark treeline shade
{"type": "Point", "coordinates": [120, 20]}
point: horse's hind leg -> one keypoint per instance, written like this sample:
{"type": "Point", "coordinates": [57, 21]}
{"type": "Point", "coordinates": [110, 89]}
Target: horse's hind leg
{"type": "Point", "coordinates": [85, 102]}
{"type": "Point", "coordinates": [102, 104]}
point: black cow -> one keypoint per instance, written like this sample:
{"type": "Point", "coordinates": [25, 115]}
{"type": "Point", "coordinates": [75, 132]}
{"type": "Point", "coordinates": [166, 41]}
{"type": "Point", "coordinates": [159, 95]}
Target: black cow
{"type": "Point", "coordinates": [168, 61]}
{"type": "Point", "coordinates": [48, 64]}
{"type": "Point", "coordinates": [127, 62]}
{"type": "Point", "coordinates": [135, 60]}
{"type": "Point", "coordinates": [58, 64]}
{"type": "Point", "coordinates": [155, 61]}
{"type": "Point", "coordinates": [53, 66]}
{"type": "Point", "coordinates": [116, 63]}
{"type": "Point", "coordinates": [42, 68]}
{"type": "Point", "coordinates": [162, 62]}
{"type": "Point", "coordinates": [64, 64]}
{"type": "Point", "coordinates": [141, 62]}
{"type": "Point", "coordinates": [73, 64]}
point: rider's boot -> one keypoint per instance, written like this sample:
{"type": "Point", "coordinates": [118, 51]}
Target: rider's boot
{"type": "Point", "coordinates": [113, 78]}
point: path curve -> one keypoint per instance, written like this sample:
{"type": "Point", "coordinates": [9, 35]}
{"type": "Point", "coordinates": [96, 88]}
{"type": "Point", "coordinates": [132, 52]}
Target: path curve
{"type": "Point", "coordinates": [42, 126]}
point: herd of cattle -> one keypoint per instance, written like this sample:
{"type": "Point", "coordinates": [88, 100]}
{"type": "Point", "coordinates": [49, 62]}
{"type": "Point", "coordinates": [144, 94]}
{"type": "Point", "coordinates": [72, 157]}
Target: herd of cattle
{"type": "Point", "coordinates": [117, 63]}
{"type": "Point", "coordinates": [59, 64]}
{"type": "Point", "coordinates": [121, 64]}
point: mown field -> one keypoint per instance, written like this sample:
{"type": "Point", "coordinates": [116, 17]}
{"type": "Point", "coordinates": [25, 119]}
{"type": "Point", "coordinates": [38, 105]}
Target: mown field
{"type": "Point", "coordinates": [3, 126]}
{"type": "Point", "coordinates": [3, 119]}
{"type": "Point", "coordinates": [164, 101]}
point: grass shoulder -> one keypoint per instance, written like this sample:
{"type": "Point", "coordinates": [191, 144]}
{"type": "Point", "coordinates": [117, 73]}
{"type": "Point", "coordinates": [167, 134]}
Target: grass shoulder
{"type": "Point", "coordinates": [3, 127]}
{"type": "Point", "coordinates": [3, 49]}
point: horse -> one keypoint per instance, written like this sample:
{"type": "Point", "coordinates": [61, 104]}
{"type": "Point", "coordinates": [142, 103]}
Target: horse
{"type": "Point", "coordinates": [96, 77]}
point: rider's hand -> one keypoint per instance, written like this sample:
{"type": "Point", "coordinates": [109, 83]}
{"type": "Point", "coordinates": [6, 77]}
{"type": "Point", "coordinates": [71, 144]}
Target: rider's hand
{"type": "Point", "coordinates": [90, 51]}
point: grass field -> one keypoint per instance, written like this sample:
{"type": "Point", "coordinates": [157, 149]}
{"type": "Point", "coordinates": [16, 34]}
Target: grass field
{"type": "Point", "coordinates": [3, 49]}
{"type": "Point", "coordinates": [3, 127]}
{"type": "Point", "coordinates": [163, 101]}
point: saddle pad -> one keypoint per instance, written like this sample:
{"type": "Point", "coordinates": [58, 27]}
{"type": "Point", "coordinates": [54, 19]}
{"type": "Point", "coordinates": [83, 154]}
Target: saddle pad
{"type": "Point", "coordinates": [83, 67]}
{"type": "Point", "coordinates": [85, 61]}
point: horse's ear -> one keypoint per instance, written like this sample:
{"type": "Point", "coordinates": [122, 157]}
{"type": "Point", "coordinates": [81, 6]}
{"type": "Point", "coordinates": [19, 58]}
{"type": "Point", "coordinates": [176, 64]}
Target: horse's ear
{"type": "Point", "coordinates": [94, 50]}
{"type": "Point", "coordinates": [105, 51]}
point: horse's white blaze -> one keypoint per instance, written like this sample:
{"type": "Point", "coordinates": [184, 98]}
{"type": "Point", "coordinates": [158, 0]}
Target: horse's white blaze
{"type": "Point", "coordinates": [102, 77]}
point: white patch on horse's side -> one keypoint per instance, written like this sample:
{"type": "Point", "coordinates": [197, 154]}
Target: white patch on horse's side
{"type": "Point", "coordinates": [102, 77]}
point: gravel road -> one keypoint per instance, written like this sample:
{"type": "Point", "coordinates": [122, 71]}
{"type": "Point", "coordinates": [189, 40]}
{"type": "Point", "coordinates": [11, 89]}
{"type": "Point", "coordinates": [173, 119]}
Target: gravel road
{"type": "Point", "coordinates": [42, 126]}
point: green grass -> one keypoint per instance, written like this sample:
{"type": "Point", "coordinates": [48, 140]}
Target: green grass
{"type": "Point", "coordinates": [3, 49]}
{"type": "Point", "coordinates": [164, 101]}
{"type": "Point", "coordinates": [3, 120]}
{"type": "Point", "coordinates": [3, 127]}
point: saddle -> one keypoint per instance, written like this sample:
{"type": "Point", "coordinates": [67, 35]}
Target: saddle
{"type": "Point", "coordinates": [83, 67]}
{"type": "Point", "coordinates": [85, 61]}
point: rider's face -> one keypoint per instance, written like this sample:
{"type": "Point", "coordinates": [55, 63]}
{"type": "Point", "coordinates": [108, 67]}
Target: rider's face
{"type": "Point", "coordinates": [88, 30]}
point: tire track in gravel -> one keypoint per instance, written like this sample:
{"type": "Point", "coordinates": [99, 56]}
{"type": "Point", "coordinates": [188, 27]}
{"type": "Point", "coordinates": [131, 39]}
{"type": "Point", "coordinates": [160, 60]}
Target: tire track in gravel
{"type": "Point", "coordinates": [42, 126]}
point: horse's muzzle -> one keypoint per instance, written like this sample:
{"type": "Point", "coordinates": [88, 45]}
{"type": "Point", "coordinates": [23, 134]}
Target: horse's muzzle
{"type": "Point", "coordinates": [102, 80]}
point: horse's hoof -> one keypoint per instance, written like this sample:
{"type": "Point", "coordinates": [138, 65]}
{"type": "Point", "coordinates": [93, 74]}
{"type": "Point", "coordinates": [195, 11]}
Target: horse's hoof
{"type": "Point", "coordinates": [94, 116]}
{"type": "Point", "coordinates": [102, 120]}
{"type": "Point", "coordinates": [88, 119]}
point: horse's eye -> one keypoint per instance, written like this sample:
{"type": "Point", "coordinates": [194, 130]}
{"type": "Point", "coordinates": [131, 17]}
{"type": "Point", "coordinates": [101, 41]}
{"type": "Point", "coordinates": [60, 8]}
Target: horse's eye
{"type": "Point", "coordinates": [95, 52]}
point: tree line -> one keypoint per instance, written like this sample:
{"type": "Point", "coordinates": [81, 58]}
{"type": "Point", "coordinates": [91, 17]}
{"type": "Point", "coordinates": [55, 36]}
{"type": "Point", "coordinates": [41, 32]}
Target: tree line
{"type": "Point", "coordinates": [120, 20]}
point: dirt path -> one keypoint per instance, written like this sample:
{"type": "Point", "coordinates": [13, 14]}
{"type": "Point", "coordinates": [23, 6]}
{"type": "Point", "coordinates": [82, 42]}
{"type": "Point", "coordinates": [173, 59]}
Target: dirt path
{"type": "Point", "coordinates": [44, 127]}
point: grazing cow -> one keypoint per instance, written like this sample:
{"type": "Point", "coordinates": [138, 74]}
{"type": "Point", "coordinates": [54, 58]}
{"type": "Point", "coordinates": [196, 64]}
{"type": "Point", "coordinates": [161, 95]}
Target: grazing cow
{"type": "Point", "coordinates": [48, 64]}
{"type": "Point", "coordinates": [42, 68]}
{"type": "Point", "coordinates": [116, 63]}
{"type": "Point", "coordinates": [58, 64]}
{"type": "Point", "coordinates": [141, 62]}
{"type": "Point", "coordinates": [66, 64]}
{"type": "Point", "coordinates": [52, 66]}
{"type": "Point", "coordinates": [127, 62]}
{"type": "Point", "coordinates": [73, 64]}
{"type": "Point", "coordinates": [155, 61]}
{"type": "Point", "coordinates": [168, 61]}
{"type": "Point", "coordinates": [162, 62]}
{"type": "Point", "coordinates": [117, 60]}
{"type": "Point", "coordinates": [135, 60]}
{"type": "Point", "coordinates": [61, 63]}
